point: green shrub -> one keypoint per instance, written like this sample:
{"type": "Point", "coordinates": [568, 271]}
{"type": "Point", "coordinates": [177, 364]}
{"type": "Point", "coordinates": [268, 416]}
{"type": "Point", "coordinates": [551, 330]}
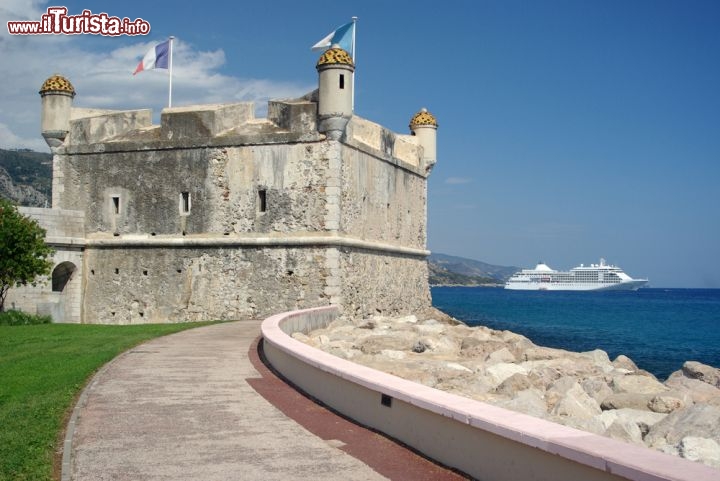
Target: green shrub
{"type": "Point", "coordinates": [19, 318]}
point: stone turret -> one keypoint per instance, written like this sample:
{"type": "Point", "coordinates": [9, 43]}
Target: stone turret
{"type": "Point", "coordinates": [57, 96]}
{"type": "Point", "coordinates": [335, 104]}
{"type": "Point", "coordinates": [424, 126]}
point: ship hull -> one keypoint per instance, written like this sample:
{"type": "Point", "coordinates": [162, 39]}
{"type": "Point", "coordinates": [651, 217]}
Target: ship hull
{"type": "Point", "coordinates": [549, 286]}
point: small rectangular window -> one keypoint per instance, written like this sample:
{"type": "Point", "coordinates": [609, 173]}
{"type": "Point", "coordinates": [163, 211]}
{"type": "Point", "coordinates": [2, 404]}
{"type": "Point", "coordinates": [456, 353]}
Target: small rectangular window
{"type": "Point", "coordinates": [342, 81]}
{"type": "Point", "coordinates": [116, 204]}
{"type": "Point", "coordinates": [185, 202]}
{"type": "Point", "coordinates": [262, 200]}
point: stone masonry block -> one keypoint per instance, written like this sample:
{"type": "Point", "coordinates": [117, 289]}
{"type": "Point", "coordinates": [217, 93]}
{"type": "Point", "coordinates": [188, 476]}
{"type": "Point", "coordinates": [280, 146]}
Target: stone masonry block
{"type": "Point", "coordinates": [198, 121]}
{"type": "Point", "coordinates": [91, 130]}
{"type": "Point", "coordinates": [293, 115]}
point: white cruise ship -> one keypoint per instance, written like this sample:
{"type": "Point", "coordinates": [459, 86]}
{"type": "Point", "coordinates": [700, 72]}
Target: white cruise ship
{"type": "Point", "coordinates": [595, 277]}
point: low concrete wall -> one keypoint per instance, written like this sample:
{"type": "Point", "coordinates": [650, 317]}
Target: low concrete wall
{"type": "Point", "coordinates": [484, 441]}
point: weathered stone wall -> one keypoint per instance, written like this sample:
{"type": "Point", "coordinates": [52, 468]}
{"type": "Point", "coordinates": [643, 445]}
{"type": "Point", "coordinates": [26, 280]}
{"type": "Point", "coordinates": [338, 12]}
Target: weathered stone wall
{"type": "Point", "coordinates": [381, 201]}
{"type": "Point", "coordinates": [375, 283]}
{"type": "Point", "coordinates": [223, 185]}
{"type": "Point", "coordinates": [127, 286]}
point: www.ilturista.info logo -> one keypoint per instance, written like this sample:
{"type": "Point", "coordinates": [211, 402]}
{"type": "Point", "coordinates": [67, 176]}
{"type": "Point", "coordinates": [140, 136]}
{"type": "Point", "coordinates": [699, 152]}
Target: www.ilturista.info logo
{"type": "Point", "coordinates": [57, 21]}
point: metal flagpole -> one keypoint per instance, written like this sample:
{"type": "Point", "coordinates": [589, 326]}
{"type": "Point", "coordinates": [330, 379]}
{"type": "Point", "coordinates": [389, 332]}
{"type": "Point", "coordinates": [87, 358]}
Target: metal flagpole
{"type": "Point", "coordinates": [170, 73]}
{"type": "Point", "coordinates": [354, 20]}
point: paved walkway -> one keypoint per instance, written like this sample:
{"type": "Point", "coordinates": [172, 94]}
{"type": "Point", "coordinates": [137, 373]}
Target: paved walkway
{"type": "Point", "coordinates": [199, 405]}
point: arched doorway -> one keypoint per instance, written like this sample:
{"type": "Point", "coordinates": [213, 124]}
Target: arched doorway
{"type": "Point", "coordinates": [61, 275]}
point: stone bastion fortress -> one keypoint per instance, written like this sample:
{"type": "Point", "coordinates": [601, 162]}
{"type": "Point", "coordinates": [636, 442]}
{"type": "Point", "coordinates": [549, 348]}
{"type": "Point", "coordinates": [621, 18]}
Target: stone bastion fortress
{"type": "Point", "coordinates": [216, 214]}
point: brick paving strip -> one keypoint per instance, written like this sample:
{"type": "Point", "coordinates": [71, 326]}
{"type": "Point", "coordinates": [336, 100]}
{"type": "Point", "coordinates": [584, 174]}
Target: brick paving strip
{"type": "Point", "coordinates": [200, 405]}
{"type": "Point", "coordinates": [384, 455]}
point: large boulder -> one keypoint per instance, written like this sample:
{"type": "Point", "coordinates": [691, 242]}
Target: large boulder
{"type": "Point", "coordinates": [477, 348]}
{"type": "Point", "coordinates": [702, 372]}
{"type": "Point", "coordinates": [501, 355]}
{"type": "Point", "coordinates": [624, 430]}
{"type": "Point", "coordinates": [576, 404]}
{"type": "Point", "coordinates": [597, 388]}
{"type": "Point", "coordinates": [699, 420]}
{"type": "Point", "coordinates": [539, 353]}
{"type": "Point", "coordinates": [396, 342]}
{"type": "Point", "coordinates": [644, 420]}
{"type": "Point", "coordinates": [669, 401]}
{"type": "Point", "coordinates": [528, 401]}
{"type": "Point", "coordinates": [700, 449]}
{"type": "Point", "coordinates": [626, 400]}
{"type": "Point", "coordinates": [513, 385]}
{"type": "Point", "coordinates": [637, 384]}
{"type": "Point", "coordinates": [503, 370]}
{"type": "Point", "coordinates": [624, 362]}
{"type": "Point", "coordinates": [700, 392]}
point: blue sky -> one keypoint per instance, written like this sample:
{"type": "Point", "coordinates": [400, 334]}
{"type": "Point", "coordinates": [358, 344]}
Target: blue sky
{"type": "Point", "coordinates": [569, 130]}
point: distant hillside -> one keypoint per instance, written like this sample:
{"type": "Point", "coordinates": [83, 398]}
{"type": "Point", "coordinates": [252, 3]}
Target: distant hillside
{"type": "Point", "coordinates": [26, 177]}
{"type": "Point", "coordinates": [453, 270]}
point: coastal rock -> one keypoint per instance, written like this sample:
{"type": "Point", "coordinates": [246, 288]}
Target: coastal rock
{"type": "Point", "coordinates": [472, 347]}
{"type": "Point", "coordinates": [299, 336]}
{"type": "Point", "coordinates": [627, 400]}
{"type": "Point", "coordinates": [637, 384]}
{"type": "Point", "coordinates": [625, 430]}
{"type": "Point", "coordinates": [583, 390]}
{"type": "Point", "coordinates": [597, 389]}
{"type": "Point", "coordinates": [392, 354]}
{"type": "Point", "coordinates": [698, 421]}
{"type": "Point", "coordinates": [342, 349]}
{"type": "Point", "coordinates": [644, 420]}
{"type": "Point", "coordinates": [669, 401]}
{"type": "Point", "coordinates": [702, 372]}
{"type": "Point", "coordinates": [501, 355]}
{"type": "Point", "coordinates": [576, 404]}
{"type": "Point", "coordinates": [598, 356]}
{"type": "Point", "coordinates": [514, 384]}
{"type": "Point", "coordinates": [543, 377]}
{"type": "Point", "coordinates": [624, 362]}
{"type": "Point", "coordinates": [700, 449]}
{"type": "Point", "coordinates": [558, 389]}
{"type": "Point", "coordinates": [395, 342]}
{"type": "Point", "coordinates": [699, 391]}
{"type": "Point", "coordinates": [527, 401]}
{"type": "Point", "coordinates": [442, 345]}
{"type": "Point", "coordinates": [501, 371]}
{"type": "Point", "coordinates": [537, 353]}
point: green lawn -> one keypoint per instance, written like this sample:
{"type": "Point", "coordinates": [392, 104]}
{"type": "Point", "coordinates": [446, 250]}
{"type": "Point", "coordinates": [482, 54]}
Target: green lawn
{"type": "Point", "coordinates": [42, 369]}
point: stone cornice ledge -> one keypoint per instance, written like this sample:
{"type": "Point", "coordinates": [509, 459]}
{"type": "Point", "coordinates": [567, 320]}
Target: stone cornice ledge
{"type": "Point", "coordinates": [306, 240]}
{"type": "Point", "coordinates": [615, 458]}
{"type": "Point", "coordinates": [65, 241]}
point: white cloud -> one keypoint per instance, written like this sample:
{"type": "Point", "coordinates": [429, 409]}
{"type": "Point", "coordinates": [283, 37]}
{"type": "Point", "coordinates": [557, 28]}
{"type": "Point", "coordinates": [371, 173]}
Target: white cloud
{"type": "Point", "coordinates": [21, 10]}
{"type": "Point", "coordinates": [8, 140]}
{"type": "Point", "coordinates": [103, 79]}
{"type": "Point", "coordinates": [458, 180]}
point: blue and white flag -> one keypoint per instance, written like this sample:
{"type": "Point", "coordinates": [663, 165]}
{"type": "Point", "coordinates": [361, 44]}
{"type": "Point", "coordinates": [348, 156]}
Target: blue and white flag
{"type": "Point", "coordinates": [343, 36]}
{"type": "Point", "coordinates": [157, 57]}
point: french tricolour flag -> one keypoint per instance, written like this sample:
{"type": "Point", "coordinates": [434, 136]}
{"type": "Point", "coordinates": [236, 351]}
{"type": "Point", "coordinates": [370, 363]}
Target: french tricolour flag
{"type": "Point", "coordinates": [157, 57]}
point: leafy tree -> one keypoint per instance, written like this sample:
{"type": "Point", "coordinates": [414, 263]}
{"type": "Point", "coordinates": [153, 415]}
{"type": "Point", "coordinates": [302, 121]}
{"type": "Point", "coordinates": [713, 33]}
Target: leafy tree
{"type": "Point", "coordinates": [24, 256]}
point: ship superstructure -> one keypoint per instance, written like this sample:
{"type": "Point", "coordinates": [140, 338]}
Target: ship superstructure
{"type": "Point", "coordinates": [595, 277]}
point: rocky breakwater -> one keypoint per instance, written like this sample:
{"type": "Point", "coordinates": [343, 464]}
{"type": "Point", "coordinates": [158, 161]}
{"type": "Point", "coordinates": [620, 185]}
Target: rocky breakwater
{"type": "Point", "coordinates": [587, 390]}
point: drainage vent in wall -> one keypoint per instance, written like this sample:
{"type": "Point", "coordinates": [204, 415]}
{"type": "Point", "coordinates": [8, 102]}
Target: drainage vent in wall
{"type": "Point", "coordinates": [386, 400]}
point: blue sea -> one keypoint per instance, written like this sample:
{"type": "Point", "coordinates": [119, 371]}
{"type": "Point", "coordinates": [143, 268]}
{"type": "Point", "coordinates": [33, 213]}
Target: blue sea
{"type": "Point", "coordinates": [659, 329]}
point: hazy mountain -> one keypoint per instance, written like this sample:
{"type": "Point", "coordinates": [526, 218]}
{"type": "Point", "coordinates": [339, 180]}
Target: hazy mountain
{"type": "Point", "coordinates": [26, 177]}
{"type": "Point", "coordinates": [446, 269]}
